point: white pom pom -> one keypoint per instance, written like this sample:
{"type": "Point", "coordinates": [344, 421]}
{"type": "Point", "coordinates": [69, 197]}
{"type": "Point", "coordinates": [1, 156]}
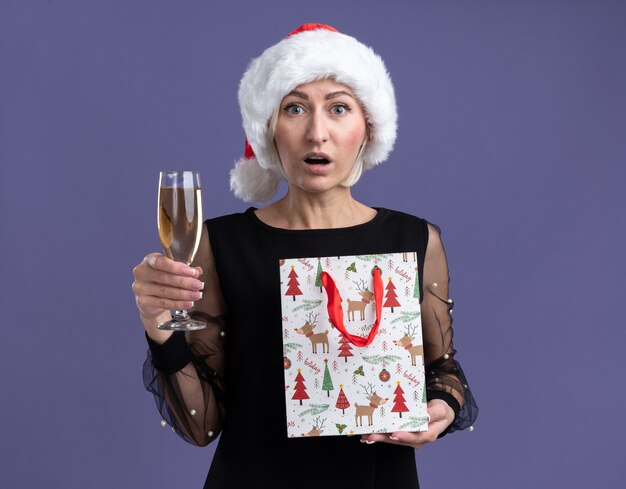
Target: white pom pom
{"type": "Point", "coordinates": [251, 183]}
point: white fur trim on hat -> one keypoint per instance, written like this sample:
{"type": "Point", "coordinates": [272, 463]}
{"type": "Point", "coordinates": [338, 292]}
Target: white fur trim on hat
{"type": "Point", "coordinates": [303, 58]}
{"type": "Point", "coordinates": [251, 183]}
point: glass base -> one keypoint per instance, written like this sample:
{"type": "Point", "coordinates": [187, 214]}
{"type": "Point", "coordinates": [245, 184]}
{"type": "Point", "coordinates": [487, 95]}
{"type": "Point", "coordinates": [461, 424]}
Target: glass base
{"type": "Point", "coordinates": [176, 324]}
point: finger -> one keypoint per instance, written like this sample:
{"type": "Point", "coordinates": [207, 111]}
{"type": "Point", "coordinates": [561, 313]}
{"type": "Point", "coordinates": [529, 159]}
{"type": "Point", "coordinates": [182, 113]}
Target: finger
{"type": "Point", "coordinates": [374, 437]}
{"type": "Point", "coordinates": [175, 281]}
{"type": "Point", "coordinates": [150, 303]}
{"type": "Point", "coordinates": [150, 258]}
{"type": "Point", "coordinates": [409, 441]}
{"type": "Point", "coordinates": [145, 274]}
{"type": "Point", "coordinates": [165, 264]}
{"type": "Point", "coordinates": [166, 292]}
{"type": "Point", "coordinates": [414, 439]}
{"type": "Point", "coordinates": [369, 439]}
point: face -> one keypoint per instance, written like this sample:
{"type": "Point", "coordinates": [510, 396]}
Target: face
{"type": "Point", "coordinates": [319, 131]}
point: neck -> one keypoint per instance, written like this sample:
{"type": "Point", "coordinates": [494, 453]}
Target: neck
{"type": "Point", "coordinates": [299, 210]}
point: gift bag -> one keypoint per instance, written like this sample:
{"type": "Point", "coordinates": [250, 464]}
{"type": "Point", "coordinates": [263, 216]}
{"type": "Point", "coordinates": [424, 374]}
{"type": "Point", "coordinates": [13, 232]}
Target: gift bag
{"type": "Point", "coordinates": [352, 341]}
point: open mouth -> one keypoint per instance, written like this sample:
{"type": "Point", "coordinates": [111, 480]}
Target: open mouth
{"type": "Point", "coordinates": [317, 160]}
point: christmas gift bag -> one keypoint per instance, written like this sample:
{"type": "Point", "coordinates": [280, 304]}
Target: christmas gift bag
{"type": "Point", "coordinates": [352, 340]}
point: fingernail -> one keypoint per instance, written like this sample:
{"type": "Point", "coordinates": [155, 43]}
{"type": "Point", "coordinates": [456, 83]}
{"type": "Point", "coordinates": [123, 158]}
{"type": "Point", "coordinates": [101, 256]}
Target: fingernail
{"type": "Point", "coordinates": [196, 295]}
{"type": "Point", "coordinates": [190, 271]}
{"type": "Point", "coordinates": [393, 438]}
{"type": "Point", "coordinates": [198, 285]}
{"type": "Point", "coordinates": [152, 260]}
{"type": "Point", "coordinates": [369, 442]}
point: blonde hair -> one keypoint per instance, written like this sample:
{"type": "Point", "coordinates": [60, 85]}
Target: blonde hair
{"type": "Point", "coordinates": [357, 168]}
{"type": "Point", "coordinates": [271, 131]}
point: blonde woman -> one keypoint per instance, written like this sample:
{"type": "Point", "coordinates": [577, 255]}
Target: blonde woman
{"type": "Point", "coordinates": [318, 108]}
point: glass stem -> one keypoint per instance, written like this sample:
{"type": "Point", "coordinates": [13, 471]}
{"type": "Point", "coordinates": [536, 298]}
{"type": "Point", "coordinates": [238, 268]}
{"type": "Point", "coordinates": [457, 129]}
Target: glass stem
{"type": "Point", "coordinates": [181, 315]}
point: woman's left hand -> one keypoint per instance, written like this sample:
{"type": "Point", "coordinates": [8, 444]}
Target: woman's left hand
{"type": "Point", "coordinates": [440, 416]}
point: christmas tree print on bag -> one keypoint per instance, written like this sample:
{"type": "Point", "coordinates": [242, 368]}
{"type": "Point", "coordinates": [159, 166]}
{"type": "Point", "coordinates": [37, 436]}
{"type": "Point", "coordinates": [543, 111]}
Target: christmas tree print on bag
{"type": "Point", "coordinates": [352, 339]}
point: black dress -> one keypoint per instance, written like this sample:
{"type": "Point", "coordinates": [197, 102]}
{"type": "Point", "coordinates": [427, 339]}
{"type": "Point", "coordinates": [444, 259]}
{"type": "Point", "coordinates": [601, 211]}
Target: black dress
{"type": "Point", "coordinates": [239, 362]}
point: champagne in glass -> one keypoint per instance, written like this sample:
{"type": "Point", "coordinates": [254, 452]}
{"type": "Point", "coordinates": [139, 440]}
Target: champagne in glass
{"type": "Point", "coordinates": [180, 226]}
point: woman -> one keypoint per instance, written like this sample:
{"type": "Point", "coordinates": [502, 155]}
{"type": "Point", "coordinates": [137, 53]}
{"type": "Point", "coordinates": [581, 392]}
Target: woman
{"type": "Point", "coordinates": [318, 108]}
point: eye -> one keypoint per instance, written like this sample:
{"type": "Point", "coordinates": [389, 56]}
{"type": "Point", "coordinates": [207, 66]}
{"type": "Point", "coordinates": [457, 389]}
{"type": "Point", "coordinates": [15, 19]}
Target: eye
{"type": "Point", "coordinates": [339, 109]}
{"type": "Point", "coordinates": [293, 109]}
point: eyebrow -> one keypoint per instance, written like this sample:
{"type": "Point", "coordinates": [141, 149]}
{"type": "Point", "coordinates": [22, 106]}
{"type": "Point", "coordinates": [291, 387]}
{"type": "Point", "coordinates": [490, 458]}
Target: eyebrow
{"type": "Point", "coordinates": [304, 96]}
{"type": "Point", "coordinates": [337, 94]}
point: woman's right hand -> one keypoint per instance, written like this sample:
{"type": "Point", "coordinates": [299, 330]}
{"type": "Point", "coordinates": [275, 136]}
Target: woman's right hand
{"type": "Point", "coordinates": [162, 285]}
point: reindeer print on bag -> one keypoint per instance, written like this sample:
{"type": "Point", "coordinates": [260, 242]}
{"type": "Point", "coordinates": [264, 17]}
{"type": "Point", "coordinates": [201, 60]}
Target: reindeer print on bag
{"type": "Point", "coordinates": [316, 338]}
{"type": "Point", "coordinates": [406, 342]}
{"type": "Point", "coordinates": [367, 410]}
{"type": "Point", "coordinates": [405, 256]}
{"type": "Point", "coordinates": [316, 430]}
{"type": "Point", "coordinates": [359, 306]}
{"type": "Point", "coordinates": [337, 384]}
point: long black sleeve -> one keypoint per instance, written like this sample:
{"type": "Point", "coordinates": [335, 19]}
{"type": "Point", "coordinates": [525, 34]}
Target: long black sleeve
{"type": "Point", "coordinates": [445, 378]}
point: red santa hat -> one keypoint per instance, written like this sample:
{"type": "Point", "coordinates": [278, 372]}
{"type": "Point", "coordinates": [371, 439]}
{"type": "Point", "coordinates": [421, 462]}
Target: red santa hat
{"type": "Point", "coordinates": [309, 53]}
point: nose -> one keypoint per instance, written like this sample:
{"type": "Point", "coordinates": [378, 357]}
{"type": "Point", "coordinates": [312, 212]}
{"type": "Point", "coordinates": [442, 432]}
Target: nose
{"type": "Point", "coordinates": [317, 130]}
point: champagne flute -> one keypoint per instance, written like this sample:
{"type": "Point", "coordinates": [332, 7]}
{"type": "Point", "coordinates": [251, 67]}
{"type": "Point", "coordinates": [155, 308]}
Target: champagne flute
{"type": "Point", "coordinates": [180, 226]}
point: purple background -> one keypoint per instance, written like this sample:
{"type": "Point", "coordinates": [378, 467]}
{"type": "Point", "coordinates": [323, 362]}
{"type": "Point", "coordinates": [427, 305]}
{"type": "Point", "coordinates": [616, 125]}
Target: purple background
{"type": "Point", "coordinates": [512, 125]}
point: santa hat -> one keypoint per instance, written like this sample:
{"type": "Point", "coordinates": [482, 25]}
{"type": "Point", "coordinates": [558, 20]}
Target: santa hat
{"type": "Point", "coordinates": [311, 52]}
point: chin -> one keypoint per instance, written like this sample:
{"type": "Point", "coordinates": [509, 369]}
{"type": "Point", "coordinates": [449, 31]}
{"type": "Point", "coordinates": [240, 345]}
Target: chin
{"type": "Point", "coordinates": [321, 189]}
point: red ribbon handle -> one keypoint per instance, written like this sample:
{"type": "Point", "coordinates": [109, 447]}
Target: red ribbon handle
{"type": "Point", "coordinates": [335, 311]}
